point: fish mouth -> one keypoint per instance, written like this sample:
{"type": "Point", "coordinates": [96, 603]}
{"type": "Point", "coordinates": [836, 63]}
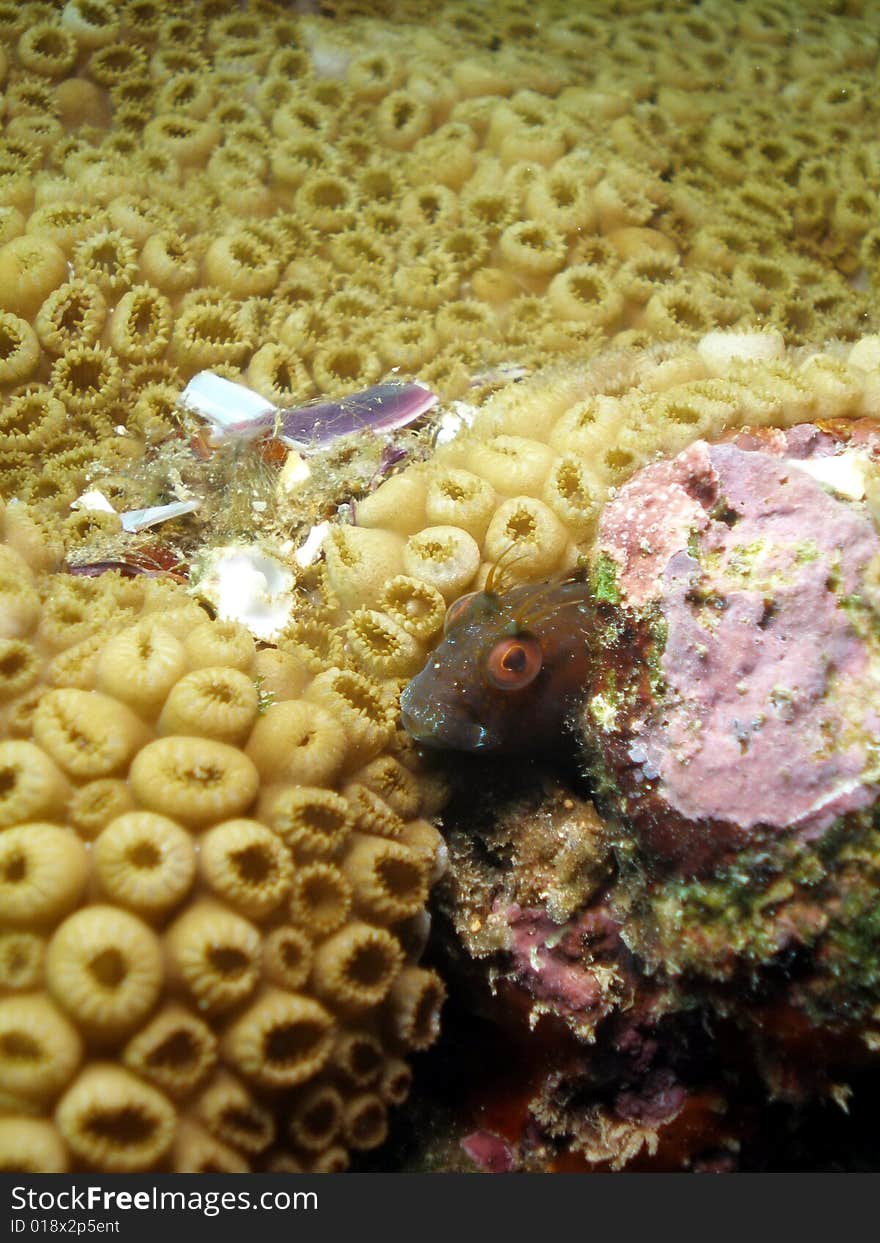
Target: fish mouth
{"type": "Point", "coordinates": [442, 725]}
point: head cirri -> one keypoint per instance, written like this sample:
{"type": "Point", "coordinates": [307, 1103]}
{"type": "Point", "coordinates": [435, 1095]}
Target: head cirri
{"type": "Point", "coordinates": [506, 672]}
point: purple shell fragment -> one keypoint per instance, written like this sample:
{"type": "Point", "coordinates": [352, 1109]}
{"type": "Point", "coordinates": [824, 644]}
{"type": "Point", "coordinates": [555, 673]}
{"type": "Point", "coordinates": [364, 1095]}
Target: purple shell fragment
{"type": "Point", "coordinates": [382, 408]}
{"type": "Point", "coordinates": [236, 413]}
{"type": "Point", "coordinates": [392, 455]}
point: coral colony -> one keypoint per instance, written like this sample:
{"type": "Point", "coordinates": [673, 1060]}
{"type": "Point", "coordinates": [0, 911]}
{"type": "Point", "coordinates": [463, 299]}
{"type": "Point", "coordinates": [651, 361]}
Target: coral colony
{"type": "Point", "coordinates": [382, 390]}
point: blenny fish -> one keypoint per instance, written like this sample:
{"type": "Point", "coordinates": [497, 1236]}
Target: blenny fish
{"type": "Point", "coordinates": [507, 670]}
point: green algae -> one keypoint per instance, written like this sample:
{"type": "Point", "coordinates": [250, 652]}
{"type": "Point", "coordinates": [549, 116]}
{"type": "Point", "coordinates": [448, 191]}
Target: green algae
{"type": "Point", "coordinates": [604, 580]}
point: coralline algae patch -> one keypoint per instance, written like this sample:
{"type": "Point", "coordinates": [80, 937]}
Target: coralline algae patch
{"type": "Point", "coordinates": [735, 726]}
{"type": "Point", "coordinates": [312, 202]}
{"type": "Point", "coordinates": [212, 885]}
{"type": "Point", "coordinates": [758, 574]}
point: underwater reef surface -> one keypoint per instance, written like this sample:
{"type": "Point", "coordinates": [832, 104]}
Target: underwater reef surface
{"type": "Point", "coordinates": [599, 236]}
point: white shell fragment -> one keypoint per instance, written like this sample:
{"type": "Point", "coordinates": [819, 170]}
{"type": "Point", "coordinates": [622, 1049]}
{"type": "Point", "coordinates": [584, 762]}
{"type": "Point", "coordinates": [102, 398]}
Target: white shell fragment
{"type": "Point", "coordinates": [846, 473]}
{"type": "Point", "coordinates": [135, 520]}
{"type": "Point", "coordinates": [454, 420]}
{"type": "Point", "coordinates": [294, 472]}
{"type": "Point", "coordinates": [311, 546]}
{"type": "Point", "coordinates": [93, 501]}
{"type": "Point", "coordinates": [247, 585]}
{"type": "Point", "coordinates": [233, 410]}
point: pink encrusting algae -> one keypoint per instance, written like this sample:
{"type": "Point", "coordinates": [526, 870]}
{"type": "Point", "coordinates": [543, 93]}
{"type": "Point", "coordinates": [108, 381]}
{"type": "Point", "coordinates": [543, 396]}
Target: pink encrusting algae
{"type": "Point", "coordinates": [768, 715]}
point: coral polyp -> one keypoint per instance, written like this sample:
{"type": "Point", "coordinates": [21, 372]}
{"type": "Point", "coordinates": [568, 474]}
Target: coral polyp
{"type": "Point", "coordinates": [187, 930]}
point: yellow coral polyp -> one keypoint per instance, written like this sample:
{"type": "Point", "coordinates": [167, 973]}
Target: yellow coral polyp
{"type": "Point", "coordinates": [459, 498]}
{"type": "Point", "coordinates": [31, 1145]}
{"type": "Point", "coordinates": [414, 606]}
{"type": "Point", "coordinates": [287, 957]}
{"type": "Point", "coordinates": [215, 954]}
{"type": "Point", "coordinates": [43, 873]}
{"type": "Point", "coordinates": [240, 264]}
{"type": "Point", "coordinates": [140, 325]}
{"type": "Point", "coordinates": [19, 668]}
{"type": "Point", "coordinates": [298, 741]}
{"type": "Point", "coordinates": [230, 1112]}
{"type": "Point", "coordinates": [144, 862]}
{"type": "Point", "coordinates": [414, 1005]}
{"type": "Point", "coordinates": [356, 967]}
{"type": "Point", "coordinates": [312, 821]}
{"type": "Point", "coordinates": [47, 49]}
{"type": "Point", "coordinates": [317, 1118]}
{"type": "Point", "coordinates": [325, 202]}
{"type": "Point", "coordinates": [389, 882]}
{"type": "Point", "coordinates": [40, 1050]}
{"type": "Point", "coordinates": [383, 648]}
{"type": "Point", "coordinates": [170, 261]}
{"type": "Point", "coordinates": [197, 1152]}
{"type": "Point", "coordinates": [113, 1121]}
{"type": "Point", "coordinates": [445, 557]}
{"type": "Point", "coordinates": [19, 349]}
{"type": "Point", "coordinates": [279, 374]}
{"type": "Point", "coordinates": [208, 336]}
{"type": "Point", "coordinates": [93, 23]}
{"type": "Point", "coordinates": [75, 312]}
{"type": "Point", "coordinates": [92, 806]}
{"type": "Point", "coordinates": [320, 899]}
{"type": "Point", "coordinates": [21, 960]}
{"type": "Point", "coordinates": [140, 665]}
{"type": "Point", "coordinates": [247, 866]}
{"type": "Point", "coordinates": [281, 1041]}
{"type": "Point", "coordinates": [31, 267]}
{"type": "Point", "coordinates": [108, 259]}
{"type": "Point", "coordinates": [188, 139]}
{"type": "Point", "coordinates": [175, 1052]}
{"type": "Point", "coordinates": [585, 294]}
{"type": "Point", "coordinates": [32, 786]}
{"type": "Point", "coordinates": [532, 251]}
{"type": "Point", "coordinates": [104, 968]}
{"type": "Point", "coordinates": [358, 705]}
{"type": "Point", "coordinates": [87, 734]}
{"type": "Point", "coordinates": [365, 1121]}
{"type": "Point", "coordinates": [215, 702]}
{"type": "Point", "coordinates": [528, 535]}
{"type": "Point", "coordinates": [197, 780]}
{"type": "Point", "coordinates": [86, 378]}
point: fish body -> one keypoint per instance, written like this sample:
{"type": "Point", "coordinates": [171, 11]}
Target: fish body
{"type": "Point", "coordinates": [507, 671]}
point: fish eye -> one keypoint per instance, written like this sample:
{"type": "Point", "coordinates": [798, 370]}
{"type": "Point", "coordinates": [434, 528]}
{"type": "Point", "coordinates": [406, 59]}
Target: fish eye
{"type": "Point", "coordinates": [457, 610]}
{"type": "Point", "coordinates": [514, 662]}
